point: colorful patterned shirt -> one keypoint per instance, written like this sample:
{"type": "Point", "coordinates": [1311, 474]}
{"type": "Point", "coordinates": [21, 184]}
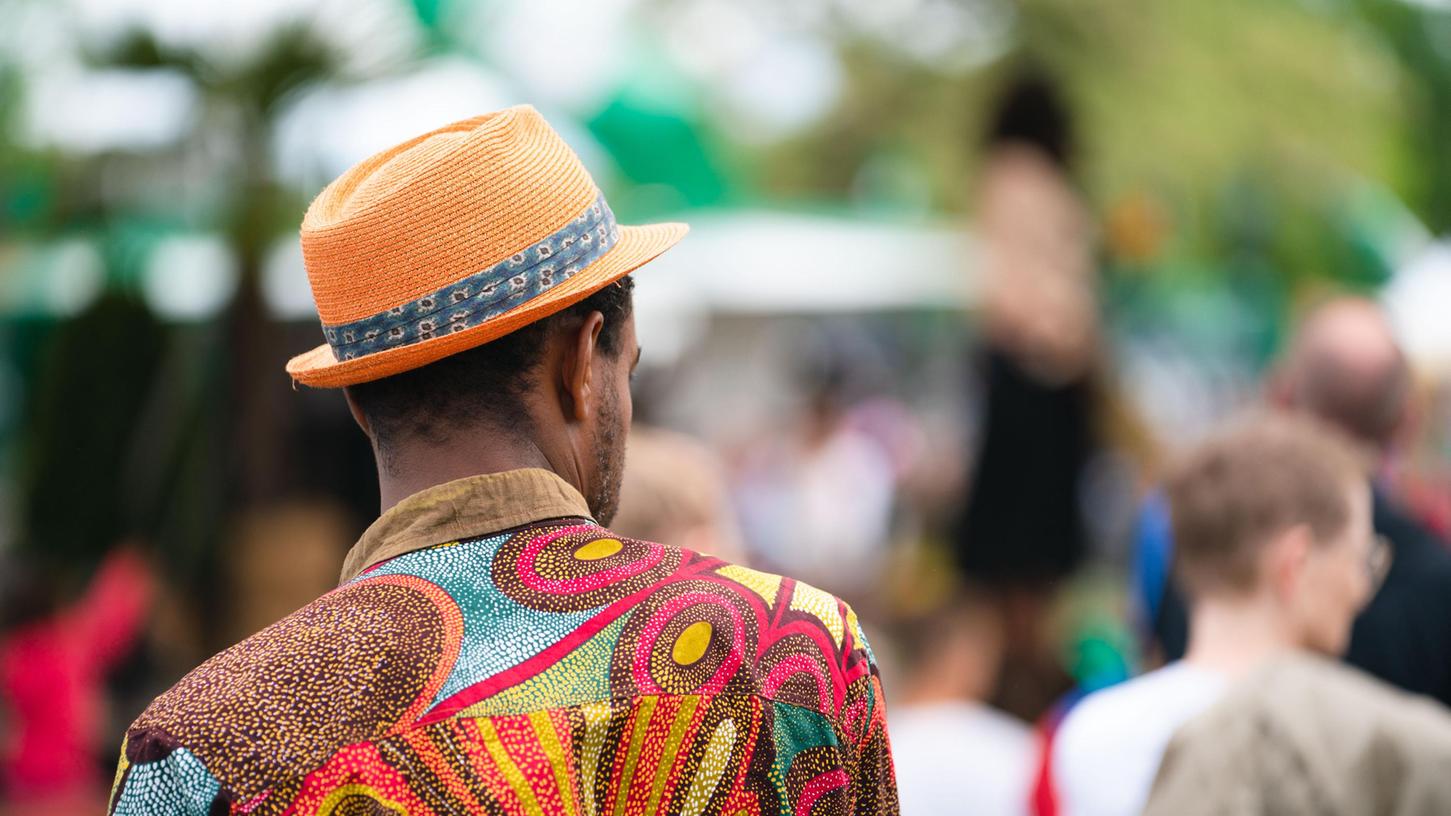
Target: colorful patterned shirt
{"type": "Point", "coordinates": [493, 650]}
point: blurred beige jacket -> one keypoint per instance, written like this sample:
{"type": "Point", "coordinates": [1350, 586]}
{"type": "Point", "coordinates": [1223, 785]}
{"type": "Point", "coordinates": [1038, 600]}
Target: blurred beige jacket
{"type": "Point", "coordinates": [1305, 735]}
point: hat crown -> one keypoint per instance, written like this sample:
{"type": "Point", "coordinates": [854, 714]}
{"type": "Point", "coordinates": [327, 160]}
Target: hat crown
{"type": "Point", "coordinates": [449, 205]}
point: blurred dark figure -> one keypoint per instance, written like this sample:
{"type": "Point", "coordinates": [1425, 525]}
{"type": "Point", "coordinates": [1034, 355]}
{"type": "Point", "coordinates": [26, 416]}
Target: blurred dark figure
{"type": "Point", "coordinates": [1345, 367]}
{"type": "Point", "coordinates": [54, 662]}
{"type": "Point", "coordinates": [1021, 531]}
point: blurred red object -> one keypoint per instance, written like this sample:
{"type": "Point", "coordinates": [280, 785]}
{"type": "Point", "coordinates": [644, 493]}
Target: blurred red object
{"type": "Point", "coordinates": [52, 676]}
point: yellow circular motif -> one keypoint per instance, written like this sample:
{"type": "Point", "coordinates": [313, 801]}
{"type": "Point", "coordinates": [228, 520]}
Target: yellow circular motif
{"type": "Point", "coordinates": [690, 646]}
{"type": "Point", "coordinates": [599, 548]}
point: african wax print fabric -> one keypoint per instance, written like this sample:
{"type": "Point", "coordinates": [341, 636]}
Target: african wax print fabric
{"type": "Point", "coordinates": [555, 668]}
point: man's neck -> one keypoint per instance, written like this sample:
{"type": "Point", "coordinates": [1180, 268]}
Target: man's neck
{"type": "Point", "coordinates": [1233, 636]}
{"type": "Point", "coordinates": [415, 467]}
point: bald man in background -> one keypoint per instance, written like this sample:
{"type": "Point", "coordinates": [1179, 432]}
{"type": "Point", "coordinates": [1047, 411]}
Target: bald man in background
{"type": "Point", "coordinates": [1345, 367]}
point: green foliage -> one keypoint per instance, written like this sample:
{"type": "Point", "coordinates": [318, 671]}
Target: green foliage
{"type": "Point", "coordinates": [80, 422]}
{"type": "Point", "coordinates": [1184, 95]}
{"type": "Point", "coordinates": [1421, 38]}
{"type": "Point", "coordinates": [294, 56]}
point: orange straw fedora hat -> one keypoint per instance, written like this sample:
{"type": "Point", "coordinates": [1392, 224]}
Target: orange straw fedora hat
{"type": "Point", "coordinates": [456, 238]}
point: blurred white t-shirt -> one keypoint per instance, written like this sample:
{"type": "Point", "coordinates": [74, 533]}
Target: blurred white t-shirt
{"type": "Point", "coordinates": [960, 757]}
{"type": "Point", "coordinates": [1107, 750]}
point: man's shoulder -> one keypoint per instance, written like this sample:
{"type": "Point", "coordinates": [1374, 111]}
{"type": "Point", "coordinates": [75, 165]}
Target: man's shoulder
{"type": "Point", "coordinates": [1302, 711]}
{"type": "Point", "coordinates": [1085, 722]}
{"type": "Point", "coordinates": [1156, 700]}
{"type": "Point", "coordinates": [1304, 688]}
{"type": "Point", "coordinates": [1108, 748]}
{"type": "Point", "coordinates": [1106, 703]}
{"type": "Point", "coordinates": [353, 665]}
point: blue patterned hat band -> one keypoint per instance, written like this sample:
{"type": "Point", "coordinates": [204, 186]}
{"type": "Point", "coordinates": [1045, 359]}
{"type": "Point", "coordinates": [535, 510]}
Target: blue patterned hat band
{"type": "Point", "coordinates": [486, 294]}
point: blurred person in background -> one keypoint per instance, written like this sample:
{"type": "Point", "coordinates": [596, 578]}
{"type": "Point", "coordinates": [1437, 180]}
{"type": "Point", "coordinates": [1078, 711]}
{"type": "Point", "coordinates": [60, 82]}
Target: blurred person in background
{"type": "Point", "coordinates": [956, 754]}
{"type": "Point", "coordinates": [55, 658]}
{"type": "Point", "coordinates": [817, 500]}
{"type": "Point", "coordinates": [1021, 532]}
{"type": "Point", "coordinates": [1275, 550]}
{"type": "Point", "coordinates": [1345, 367]}
{"type": "Point", "coordinates": [674, 490]}
{"type": "Point", "coordinates": [492, 646]}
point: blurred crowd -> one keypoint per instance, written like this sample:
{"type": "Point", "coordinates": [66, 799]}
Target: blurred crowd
{"type": "Point", "coordinates": [1014, 491]}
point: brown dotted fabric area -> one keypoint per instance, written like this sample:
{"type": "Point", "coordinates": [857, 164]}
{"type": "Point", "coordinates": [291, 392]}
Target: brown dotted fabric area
{"type": "Point", "coordinates": [341, 670]}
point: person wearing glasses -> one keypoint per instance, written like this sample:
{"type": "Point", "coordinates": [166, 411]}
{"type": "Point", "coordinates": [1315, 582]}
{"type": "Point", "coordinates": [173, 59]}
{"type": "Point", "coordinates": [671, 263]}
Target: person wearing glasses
{"type": "Point", "coordinates": [1306, 734]}
{"type": "Point", "coordinates": [1275, 552]}
{"type": "Point", "coordinates": [1344, 367]}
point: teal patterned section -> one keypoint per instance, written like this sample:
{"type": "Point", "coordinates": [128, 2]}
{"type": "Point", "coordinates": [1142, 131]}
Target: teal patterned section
{"type": "Point", "coordinates": [178, 785]}
{"type": "Point", "coordinates": [798, 731]}
{"type": "Point", "coordinates": [498, 632]}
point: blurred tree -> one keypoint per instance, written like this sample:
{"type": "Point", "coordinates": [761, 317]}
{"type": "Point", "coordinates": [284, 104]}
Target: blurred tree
{"type": "Point", "coordinates": [81, 421]}
{"type": "Point", "coordinates": [1421, 38]}
{"type": "Point", "coordinates": [244, 100]}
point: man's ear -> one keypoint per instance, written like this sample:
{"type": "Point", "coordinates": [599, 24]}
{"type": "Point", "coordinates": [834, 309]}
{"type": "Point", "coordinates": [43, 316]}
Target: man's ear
{"type": "Point", "coordinates": [357, 412]}
{"type": "Point", "coordinates": [1286, 557]}
{"type": "Point", "coordinates": [578, 377]}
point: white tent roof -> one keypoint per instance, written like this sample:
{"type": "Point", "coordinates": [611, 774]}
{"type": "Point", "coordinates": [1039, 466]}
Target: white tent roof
{"type": "Point", "coordinates": [1418, 299]}
{"type": "Point", "coordinates": [771, 262]}
{"type": "Point", "coordinates": [760, 262]}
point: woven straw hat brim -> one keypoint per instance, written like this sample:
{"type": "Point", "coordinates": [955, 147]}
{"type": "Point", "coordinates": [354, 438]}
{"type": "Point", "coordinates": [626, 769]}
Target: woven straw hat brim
{"type": "Point", "coordinates": [319, 368]}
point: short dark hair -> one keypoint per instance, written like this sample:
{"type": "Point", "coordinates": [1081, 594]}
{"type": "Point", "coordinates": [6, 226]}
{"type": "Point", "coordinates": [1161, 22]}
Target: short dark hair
{"type": "Point", "coordinates": [1245, 485]}
{"type": "Point", "coordinates": [1032, 110]}
{"type": "Point", "coordinates": [486, 383]}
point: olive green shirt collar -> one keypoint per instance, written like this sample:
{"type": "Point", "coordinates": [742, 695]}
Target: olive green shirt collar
{"type": "Point", "coordinates": [464, 508]}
